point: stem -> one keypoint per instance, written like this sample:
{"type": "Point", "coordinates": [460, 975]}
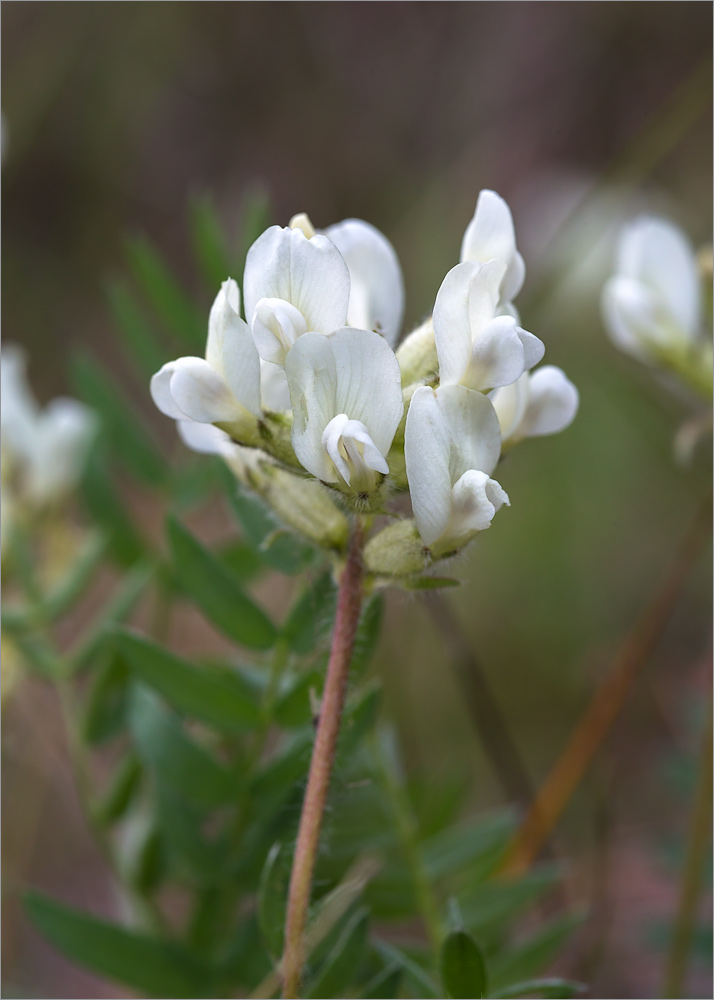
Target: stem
{"type": "Point", "coordinates": [697, 852]}
{"type": "Point", "coordinates": [349, 601]}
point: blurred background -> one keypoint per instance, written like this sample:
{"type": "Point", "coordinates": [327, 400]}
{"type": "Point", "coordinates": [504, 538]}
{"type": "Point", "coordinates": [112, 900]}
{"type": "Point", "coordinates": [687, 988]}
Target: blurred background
{"type": "Point", "coordinates": [580, 115]}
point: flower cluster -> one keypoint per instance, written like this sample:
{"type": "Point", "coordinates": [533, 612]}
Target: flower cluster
{"type": "Point", "coordinates": [311, 383]}
{"type": "Point", "coordinates": [43, 450]}
{"type": "Point", "coordinates": [653, 304]}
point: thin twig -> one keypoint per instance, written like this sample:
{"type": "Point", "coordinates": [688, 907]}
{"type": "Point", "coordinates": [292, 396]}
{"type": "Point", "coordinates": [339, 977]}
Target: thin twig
{"type": "Point", "coordinates": [607, 702]}
{"type": "Point", "coordinates": [349, 602]}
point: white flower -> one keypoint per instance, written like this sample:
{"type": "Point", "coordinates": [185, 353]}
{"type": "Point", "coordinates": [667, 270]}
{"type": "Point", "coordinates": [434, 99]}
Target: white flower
{"type": "Point", "coordinates": [376, 285]}
{"type": "Point", "coordinates": [223, 388]}
{"type": "Point", "coordinates": [44, 450]}
{"type": "Point", "coordinates": [653, 302]}
{"type": "Point", "coordinates": [490, 235]}
{"type": "Point", "coordinates": [542, 403]}
{"type": "Point", "coordinates": [452, 444]}
{"type": "Point", "coordinates": [293, 285]}
{"type": "Point", "coordinates": [347, 404]}
{"type": "Point", "coordinates": [477, 347]}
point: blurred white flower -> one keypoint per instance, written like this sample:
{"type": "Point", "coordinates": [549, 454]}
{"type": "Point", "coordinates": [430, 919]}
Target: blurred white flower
{"type": "Point", "coordinates": [223, 388]}
{"type": "Point", "coordinates": [43, 450]}
{"type": "Point", "coordinates": [347, 404]}
{"type": "Point", "coordinates": [452, 444]}
{"type": "Point", "coordinates": [653, 301]}
{"type": "Point", "coordinates": [544, 402]}
{"type": "Point", "coordinates": [477, 347]}
{"type": "Point", "coordinates": [376, 284]}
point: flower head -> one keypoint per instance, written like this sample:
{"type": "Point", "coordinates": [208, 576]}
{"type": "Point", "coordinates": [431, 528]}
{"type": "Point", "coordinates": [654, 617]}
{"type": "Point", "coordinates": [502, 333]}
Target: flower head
{"type": "Point", "coordinates": [452, 444]}
{"type": "Point", "coordinates": [477, 347]}
{"type": "Point", "coordinates": [347, 404]}
{"type": "Point", "coordinates": [43, 450]}
{"type": "Point", "coordinates": [491, 236]}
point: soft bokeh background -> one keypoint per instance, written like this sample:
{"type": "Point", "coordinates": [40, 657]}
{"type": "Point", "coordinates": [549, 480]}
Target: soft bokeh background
{"type": "Point", "coordinates": [400, 113]}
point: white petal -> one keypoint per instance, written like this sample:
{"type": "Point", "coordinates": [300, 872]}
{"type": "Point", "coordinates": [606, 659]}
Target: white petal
{"type": "Point", "coordinates": [64, 432]}
{"type": "Point", "coordinates": [230, 349]}
{"type": "Point", "coordinates": [553, 403]}
{"type": "Point", "coordinates": [310, 274]}
{"type": "Point", "coordinates": [160, 388]}
{"type": "Point", "coordinates": [491, 234]}
{"type": "Point", "coordinates": [376, 283]}
{"type": "Point", "coordinates": [274, 391]}
{"type": "Point", "coordinates": [203, 438]}
{"type": "Point", "coordinates": [630, 315]}
{"type": "Point", "coordinates": [18, 406]}
{"type": "Point", "coordinates": [353, 372]}
{"type": "Point", "coordinates": [510, 402]}
{"type": "Point", "coordinates": [276, 327]}
{"type": "Point", "coordinates": [465, 304]}
{"type": "Point", "coordinates": [475, 500]}
{"type": "Point", "coordinates": [473, 429]}
{"type": "Point", "coordinates": [656, 253]}
{"type": "Point", "coordinates": [497, 356]}
{"type": "Point", "coordinates": [200, 393]}
{"type": "Point", "coordinates": [369, 383]}
{"type": "Point", "coordinates": [427, 447]}
{"type": "Point", "coordinates": [533, 348]}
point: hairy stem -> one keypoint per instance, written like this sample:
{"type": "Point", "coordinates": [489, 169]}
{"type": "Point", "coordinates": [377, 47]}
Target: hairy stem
{"type": "Point", "coordinates": [697, 852]}
{"type": "Point", "coordinates": [349, 601]}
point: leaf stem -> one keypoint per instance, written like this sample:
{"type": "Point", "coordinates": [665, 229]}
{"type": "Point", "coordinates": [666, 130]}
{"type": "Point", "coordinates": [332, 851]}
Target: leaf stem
{"type": "Point", "coordinates": [349, 602]}
{"type": "Point", "coordinates": [697, 852]}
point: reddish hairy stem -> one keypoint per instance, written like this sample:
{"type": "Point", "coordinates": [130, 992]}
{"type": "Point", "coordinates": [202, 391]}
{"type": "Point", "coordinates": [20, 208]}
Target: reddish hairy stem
{"type": "Point", "coordinates": [349, 602]}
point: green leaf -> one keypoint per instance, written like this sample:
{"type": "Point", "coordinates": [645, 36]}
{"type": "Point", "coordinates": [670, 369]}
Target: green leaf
{"type": "Point", "coordinates": [148, 867]}
{"type": "Point", "coordinates": [208, 243]}
{"type": "Point", "coordinates": [218, 698]}
{"type": "Point", "coordinates": [368, 631]}
{"type": "Point", "coordinates": [277, 547]}
{"type": "Point", "coordinates": [495, 902]}
{"type": "Point", "coordinates": [73, 584]}
{"type": "Point", "coordinates": [119, 605]}
{"type": "Point", "coordinates": [217, 591]}
{"type": "Point", "coordinates": [529, 957]}
{"type": "Point", "coordinates": [143, 963]}
{"type": "Point", "coordinates": [419, 982]}
{"type": "Point", "coordinates": [311, 615]}
{"type": "Point", "coordinates": [343, 962]}
{"type": "Point", "coordinates": [360, 714]}
{"type": "Point", "coordinates": [465, 846]}
{"type": "Point", "coordinates": [104, 713]}
{"type": "Point", "coordinates": [165, 294]}
{"type": "Point", "coordinates": [285, 768]}
{"type": "Point", "coordinates": [143, 348]}
{"type": "Point", "coordinates": [176, 759]}
{"type": "Point", "coordinates": [121, 790]}
{"type": "Point", "coordinates": [429, 582]}
{"type": "Point", "coordinates": [463, 969]}
{"type": "Point", "coordinates": [272, 899]}
{"type": "Point", "coordinates": [384, 984]}
{"type": "Point", "coordinates": [126, 434]}
{"type": "Point", "coordinates": [191, 853]}
{"type": "Point", "coordinates": [242, 560]}
{"type": "Point", "coordinates": [104, 503]}
{"type": "Point", "coordinates": [549, 988]}
{"type": "Point", "coordinates": [293, 708]}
